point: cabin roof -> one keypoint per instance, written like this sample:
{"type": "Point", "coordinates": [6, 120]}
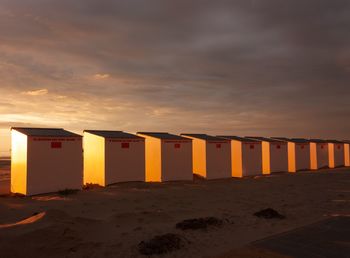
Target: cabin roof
{"type": "Point", "coordinates": [299, 140]}
{"type": "Point", "coordinates": [318, 140]}
{"type": "Point", "coordinates": [56, 132]}
{"type": "Point", "coordinates": [237, 138]}
{"type": "Point", "coordinates": [113, 134]}
{"type": "Point", "coordinates": [163, 135]}
{"type": "Point", "coordinates": [295, 140]}
{"type": "Point", "coordinates": [334, 141]}
{"type": "Point", "coordinates": [281, 138]}
{"type": "Point", "coordinates": [264, 139]}
{"type": "Point", "coordinates": [202, 136]}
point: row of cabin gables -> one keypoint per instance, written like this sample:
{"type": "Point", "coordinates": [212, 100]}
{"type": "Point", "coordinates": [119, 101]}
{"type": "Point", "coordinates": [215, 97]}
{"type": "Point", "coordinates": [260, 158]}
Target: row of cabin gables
{"type": "Point", "coordinates": [47, 160]}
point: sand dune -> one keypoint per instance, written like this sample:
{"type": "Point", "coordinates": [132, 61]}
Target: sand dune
{"type": "Point", "coordinates": [112, 221]}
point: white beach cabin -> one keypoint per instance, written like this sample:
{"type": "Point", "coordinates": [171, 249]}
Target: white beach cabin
{"type": "Point", "coordinates": [274, 154]}
{"type": "Point", "coordinates": [211, 156]}
{"type": "Point", "coordinates": [347, 152]}
{"type": "Point", "coordinates": [113, 156]}
{"type": "Point", "coordinates": [319, 154]}
{"type": "Point", "coordinates": [246, 156]}
{"type": "Point", "coordinates": [336, 153]}
{"type": "Point", "coordinates": [299, 157]}
{"type": "Point", "coordinates": [168, 157]}
{"type": "Point", "coordinates": [45, 160]}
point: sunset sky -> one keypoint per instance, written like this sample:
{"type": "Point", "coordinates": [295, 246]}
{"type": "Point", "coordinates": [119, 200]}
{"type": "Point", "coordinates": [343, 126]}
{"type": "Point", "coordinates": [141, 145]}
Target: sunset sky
{"type": "Point", "coordinates": [242, 67]}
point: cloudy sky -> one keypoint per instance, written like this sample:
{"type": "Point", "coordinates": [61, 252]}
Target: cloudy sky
{"type": "Point", "coordinates": [263, 67]}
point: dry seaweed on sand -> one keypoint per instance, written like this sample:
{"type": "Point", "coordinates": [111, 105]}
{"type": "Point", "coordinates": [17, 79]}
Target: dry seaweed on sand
{"type": "Point", "coordinates": [13, 195]}
{"type": "Point", "coordinates": [200, 223]}
{"type": "Point", "coordinates": [161, 244]}
{"type": "Point", "coordinates": [91, 186]}
{"type": "Point", "coordinates": [68, 192]}
{"type": "Point", "coordinates": [269, 213]}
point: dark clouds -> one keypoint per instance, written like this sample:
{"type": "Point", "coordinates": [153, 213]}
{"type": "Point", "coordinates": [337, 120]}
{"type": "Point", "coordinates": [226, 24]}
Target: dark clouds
{"type": "Point", "coordinates": [259, 66]}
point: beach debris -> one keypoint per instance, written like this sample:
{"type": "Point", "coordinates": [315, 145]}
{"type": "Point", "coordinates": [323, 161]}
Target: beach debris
{"type": "Point", "coordinates": [161, 244]}
{"type": "Point", "coordinates": [269, 213]}
{"type": "Point", "coordinates": [91, 186]}
{"type": "Point", "coordinates": [197, 177]}
{"type": "Point", "coordinates": [199, 223]}
{"type": "Point", "coordinates": [13, 195]}
{"type": "Point", "coordinates": [66, 192]}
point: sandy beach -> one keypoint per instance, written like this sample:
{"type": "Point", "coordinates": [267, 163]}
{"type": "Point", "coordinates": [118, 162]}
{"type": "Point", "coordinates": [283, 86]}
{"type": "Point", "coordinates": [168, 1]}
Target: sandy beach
{"type": "Point", "coordinates": [112, 221]}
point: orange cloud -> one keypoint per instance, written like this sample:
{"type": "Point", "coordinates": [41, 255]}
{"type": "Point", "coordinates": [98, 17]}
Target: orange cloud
{"type": "Point", "coordinates": [99, 76]}
{"type": "Point", "coordinates": [36, 92]}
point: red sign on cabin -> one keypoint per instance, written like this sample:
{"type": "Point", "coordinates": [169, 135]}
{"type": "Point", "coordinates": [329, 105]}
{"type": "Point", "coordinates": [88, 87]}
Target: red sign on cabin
{"type": "Point", "coordinates": [251, 146]}
{"type": "Point", "coordinates": [278, 146]}
{"type": "Point", "coordinates": [322, 146]}
{"type": "Point", "coordinates": [56, 145]}
{"type": "Point", "coordinates": [339, 147]}
{"type": "Point", "coordinates": [125, 145]}
{"type": "Point", "coordinates": [218, 145]}
{"type": "Point", "coordinates": [177, 145]}
{"type": "Point", "coordinates": [302, 146]}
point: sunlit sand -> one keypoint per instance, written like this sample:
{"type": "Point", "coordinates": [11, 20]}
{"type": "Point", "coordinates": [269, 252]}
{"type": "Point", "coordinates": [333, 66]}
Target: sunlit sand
{"type": "Point", "coordinates": [112, 221]}
{"type": "Point", "coordinates": [29, 220]}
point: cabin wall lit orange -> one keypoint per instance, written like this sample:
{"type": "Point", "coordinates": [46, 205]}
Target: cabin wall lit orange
{"type": "Point", "coordinates": [236, 159]}
{"type": "Point", "coordinates": [313, 156]}
{"type": "Point", "coordinates": [347, 154]}
{"type": "Point", "coordinates": [167, 160]}
{"type": "Point", "coordinates": [19, 160]}
{"type": "Point", "coordinates": [336, 155]}
{"type": "Point", "coordinates": [274, 157]}
{"type": "Point", "coordinates": [199, 154]}
{"type": "Point", "coordinates": [246, 158]}
{"type": "Point", "coordinates": [291, 157]}
{"type": "Point", "coordinates": [319, 155]}
{"type": "Point", "coordinates": [211, 158]}
{"type": "Point", "coordinates": [153, 157]}
{"type": "Point", "coordinates": [299, 156]}
{"type": "Point", "coordinates": [106, 161]}
{"type": "Point", "coordinates": [331, 155]}
{"type": "Point", "coordinates": [94, 159]}
{"type": "Point", "coordinates": [266, 158]}
{"type": "Point", "coordinates": [38, 167]}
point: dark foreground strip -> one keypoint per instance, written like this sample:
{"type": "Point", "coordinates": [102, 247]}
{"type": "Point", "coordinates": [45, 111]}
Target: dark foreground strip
{"type": "Point", "coordinates": [329, 238]}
